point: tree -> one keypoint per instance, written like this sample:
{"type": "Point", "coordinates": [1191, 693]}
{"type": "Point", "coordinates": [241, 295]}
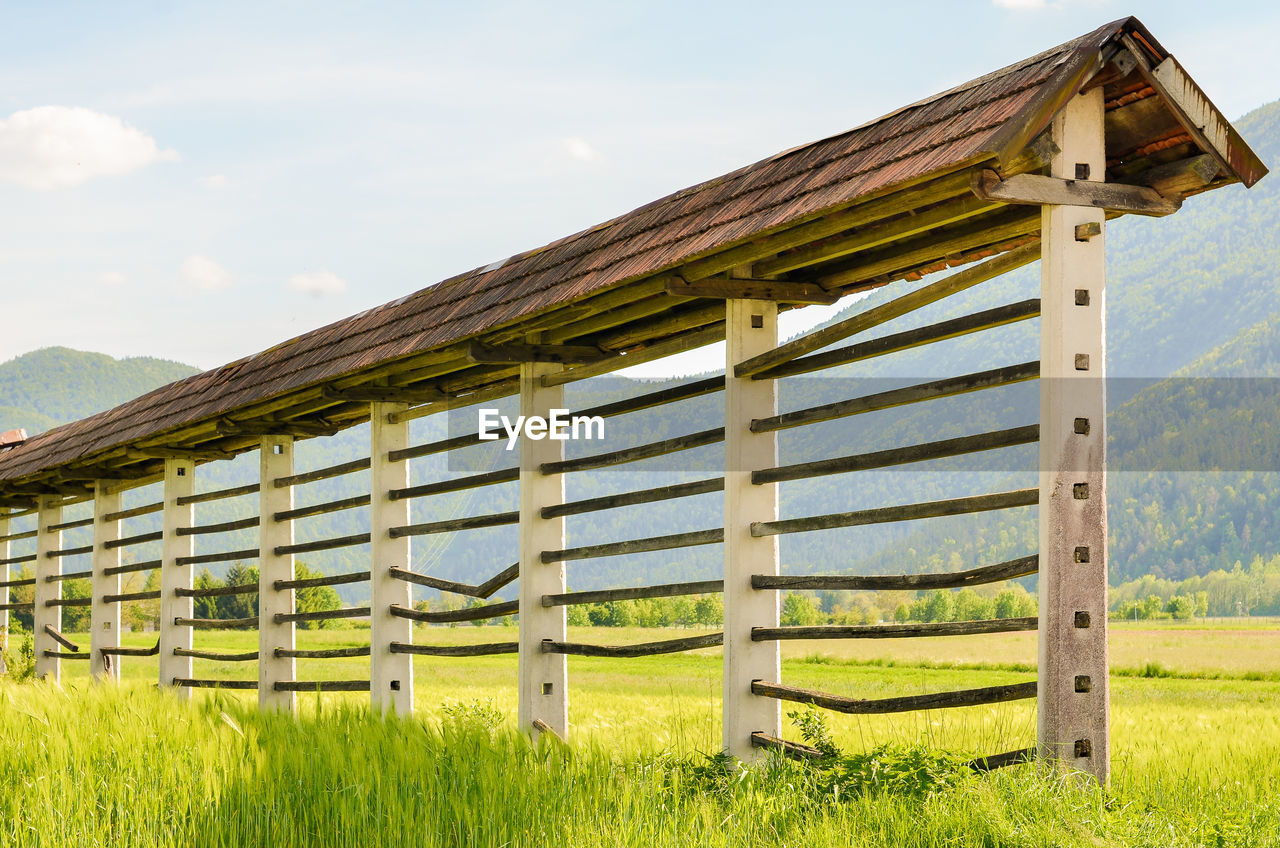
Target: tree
{"type": "Point", "coordinates": [314, 598]}
{"type": "Point", "coordinates": [970, 606]}
{"type": "Point", "coordinates": [708, 611]}
{"type": "Point", "coordinates": [798, 611]}
{"type": "Point", "coordinates": [239, 606]}
{"type": "Point", "coordinates": [206, 607]}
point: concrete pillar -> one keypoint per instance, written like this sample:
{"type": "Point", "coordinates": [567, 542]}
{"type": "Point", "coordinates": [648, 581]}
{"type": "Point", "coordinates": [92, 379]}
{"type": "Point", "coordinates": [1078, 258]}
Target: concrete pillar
{"type": "Point", "coordinates": [1073, 692]}
{"type": "Point", "coordinates": [6, 597]}
{"type": "Point", "coordinates": [47, 541]}
{"type": "Point", "coordinates": [391, 675]}
{"type": "Point", "coordinates": [751, 328]}
{"type": "Point", "coordinates": [276, 462]}
{"type": "Point", "coordinates": [544, 678]}
{"type": "Point", "coordinates": [179, 482]}
{"type": "Point", "coordinates": [104, 618]}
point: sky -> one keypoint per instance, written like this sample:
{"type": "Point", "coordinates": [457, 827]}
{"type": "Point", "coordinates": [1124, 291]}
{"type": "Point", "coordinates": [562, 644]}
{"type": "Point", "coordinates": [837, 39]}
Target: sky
{"type": "Point", "coordinates": [199, 182]}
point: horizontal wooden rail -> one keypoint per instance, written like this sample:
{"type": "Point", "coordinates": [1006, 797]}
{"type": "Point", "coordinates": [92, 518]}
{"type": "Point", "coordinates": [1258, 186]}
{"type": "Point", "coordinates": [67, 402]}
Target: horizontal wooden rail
{"type": "Point", "coordinates": [63, 655]}
{"type": "Point", "coordinates": [456, 650]}
{"type": "Point", "coordinates": [70, 525]}
{"type": "Point", "coordinates": [323, 544]}
{"type": "Point", "coordinates": [223, 527]}
{"type": "Point", "coordinates": [324, 653]}
{"type": "Point", "coordinates": [192, 683]}
{"type": "Point", "coordinates": [18, 559]}
{"type": "Point", "coordinates": [338, 470]}
{"type": "Point", "coordinates": [901, 456]}
{"type": "Point", "coordinates": [322, 686]}
{"type": "Point", "coordinates": [660, 493]}
{"type": "Point", "coordinates": [484, 590]}
{"type": "Point", "coordinates": [225, 556]}
{"type": "Point", "coordinates": [949, 387]}
{"type": "Point", "coordinates": [455, 443]}
{"type": "Point", "coordinates": [1008, 758]}
{"type": "Point", "coordinates": [635, 454]}
{"type": "Point", "coordinates": [69, 602]}
{"type": "Point", "coordinates": [643, 649]}
{"type": "Point", "coordinates": [479, 613]}
{"type": "Point", "coordinates": [29, 605]}
{"type": "Point", "coordinates": [215, 656]}
{"type": "Point", "coordinates": [906, 512]}
{"type": "Point", "coordinates": [474, 522]}
{"type": "Point", "coordinates": [68, 575]}
{"type": "Point", "coordinates": [322, 615]}
{"type": "Point", "coordinates": [70, 552]}
{"type": "Point", "coordinates": [149, 565]}
{"type": "Point", "coordinates": [131, 596]}
{"type": "Point", "coordinates": [322, 508]}
{"type": "Point", "coordinates": [135, 540]}
{"type": "Point", "coordinates": [9, 584]}
{"type": "Point", "coordinates": [220, 494]}
{"type": "Point", "coordinates": [60, 639]}
{"type": "Point", "coordinates": [217, 623]}
{"type": "Point", "coordinates": [146, 509]}
{"type": "Point", "coordinates": [660, 397]}
{"type": "Point", "coordinates": [635, 546]}
{"type": "Point", "coordinates": [894, 631]}
{"type": "Point", "coordinates": [1007, 570]}
{"type": "Point", "coordinates": [13, 537]}
{"type": "Point", "coordinates": [933, 701]}
{"type": "Point", "coordinates": [666, 590]}
{"type": "Point", "coordinates": [217, 591]}
{"type": "Point", "coordinates": [785, 747]}
{"type": "Point", "coordinates": [330, 580]}
{"type": "Point", "coordinates": [120, 651]}
{"type": "Point", "coordinates": [458, 484]}
{"type": "Point", "coordinates": [943, 330]}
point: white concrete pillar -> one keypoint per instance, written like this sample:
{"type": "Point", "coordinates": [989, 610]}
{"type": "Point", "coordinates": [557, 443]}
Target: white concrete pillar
{"type": "Point", "coordinates": [544, 678]}
{"type": "Point", "coordinates": [1073, 725]}
{"type": "Point", "coordinates": [390, 675]}
{"type": "Point", "coordinates": [47, 541]}
{"type": "Point", "coordinates": [179, 482]}
{"type": "Point", "coordinates": [276, 462]}
{"type": "Point", "coordinates": [104, 618]}
{"type": "Point", "coordinates": [6, 597]}
{"type": "Point", "coordinates": [751, 328]}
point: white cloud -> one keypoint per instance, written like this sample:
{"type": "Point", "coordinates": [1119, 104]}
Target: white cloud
{"type": "Point", "coordinates": [113, 278]}
{"type": "Point", "coordinates": [59, 146]}
{"type": "Point", "coordinates": [1020, 4]}
{"type": "Point", "coordinates": [213, 181]}
{"type": "Point", "coordinates": [203, 274]}
{"type": "Point", "coordinates": [579, 148]}
{"type": "Point", "coordinates": [318, 283]}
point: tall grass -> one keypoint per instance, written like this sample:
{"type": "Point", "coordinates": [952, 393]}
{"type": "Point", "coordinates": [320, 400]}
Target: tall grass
{"type": "Point", "coordinates": [131, 766]}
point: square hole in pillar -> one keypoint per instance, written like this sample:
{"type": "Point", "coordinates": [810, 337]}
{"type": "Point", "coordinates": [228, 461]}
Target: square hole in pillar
{"type": "Point", "coordinates": [1082, 170]}
{"type": "Point", "coordinates": [757, 322]}
{"type": "Point", "coordinates": [1084, 748]}
{"type": "Point", "coordinates": [1082, 553]}
{"type": "Point", "coordinates": [1083, 683]}
{"type": "Point", "coordinates": [395, 686]}
{"type": "Point", "coordinates": [1082, 620]}
{"type": "Point", "coordinates": [1082, 297]}
{"type": "Point", "coordinates": [1080, 491]}
{"type": "Point", "coordinates": [546, 688]}
{"type": "Point", "coordinates": [1081, 426]}
{"type": "Point", "coordinates": [1082, 362]}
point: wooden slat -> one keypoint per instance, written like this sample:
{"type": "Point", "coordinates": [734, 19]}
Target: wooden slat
{"type": "Point", "coordinates": [323, 653]}
{"type": "Point", "coordinates": [139, 539]}
{"type": "Point", "coordinates": [933, 701]}
{"type": "Point", "coordinates": [959, 446]}
{"type": "Point", "coordinates": [216, 656]}
{"type": "Point", "coordinates": [905, 512]}
{"type": "Point", "coordinates": [723, 288]}
{"type": "Point", "coordinates": [1008, 758]}
{"type": "Point", "coordinates": [666, 590]}
{"type": "Point", "coordinates": [218, 591]}
{"type": "Point", "coordinates": [487, 478]}
{"type": "Point", "coordinates": [149, 565]}
{"type": "Point", "coordinates": [957, 282]}
{"type": "Point", "coordinates": [480, 613]}
{"type": "Point", "coordinates": [484, 590]}
{"type": "Point", "coordinates": [894, 631]}
{"type": "Point", "coordinates": [790, 749]}
{"type": "Point", "coordinates": [68, 575]}
{"type": "Point", "coordinates": [679, 342]}
{"type": "Point", "coordinates": [60, 639]}
{"type": "Point", "coordinates": [69, 552]}
{"type": "Point", "coordinates": [120, 651]}
{"type": "Point", "coordinates": [644, 649]}
{"type": "Point", "coordinates": [13, 537]}
{"type": "Point", "coordinates": [323, 544]}
{"type": "Point", "coordinates": [9, 584]}
{"type": "Point", "coordinates": [216, 623]}
{"type": "Point", "coordinates": [205, 497]}
{"type": "Point", "coordinates": [635, 546]}
{"type": "Point", "coordinates": [323, 473]}
{"type": "Point", "coordinates": [63, 655]}
{"type": "Point", "coordinates": [515, 353]}
{"type": "Point", "coordinates": [660, 493]}
{"type": "Point", "coordinates": [128, 597]}
{"type": "Point", "coordinates": [1038, 190]}
{"type": "Point", "coordinates": [69, 602]}
{"type": "Point", "coordinates": [908, 339]}
{"type": "Point", "coordinates": [1007, 570]}
{"type": "Point", "coordinates": [70, 525]}
{"type": "Point", "coordinates": [328, 580]}
{"type": "Point", "coordinates": [191, 683]}
{"type": "Point", "coordinates": [658, 397]}
{"type": "Point", "coordinates": [18, 559]}
{"type": "Point", "coordinates": [634, 454]}
{"type": "Point", "coordinates": [322, 508]}
{"type": "Point", "coordinates": [453, 443]}
{"type": "Point", "coordinates": [223, 527]}
{"type": "Point", "coordinates": [17, 607]}
{"type": "Point", "coordinates": [323, 615]}
{"type": "Point", "coordinates": [473, 522]}
{"type": "Point", "coordinates": [456, 650]}
{"type": "Point", "coordinates": [226, 556]}
{"type": "Point", "coordinates": [949, 387]}
{"type": "Point", "coordinates": [322, 686]}
{"type": "Point", "coordinates": [134, 512]}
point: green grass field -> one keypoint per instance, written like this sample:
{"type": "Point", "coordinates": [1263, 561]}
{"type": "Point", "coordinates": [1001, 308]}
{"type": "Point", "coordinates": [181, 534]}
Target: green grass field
{"type": "Point", "coordinates": [1196, 762]}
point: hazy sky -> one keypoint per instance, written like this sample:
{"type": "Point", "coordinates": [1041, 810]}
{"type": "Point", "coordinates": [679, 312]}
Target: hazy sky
{"type": "Point", "coordinates": [201, 181]}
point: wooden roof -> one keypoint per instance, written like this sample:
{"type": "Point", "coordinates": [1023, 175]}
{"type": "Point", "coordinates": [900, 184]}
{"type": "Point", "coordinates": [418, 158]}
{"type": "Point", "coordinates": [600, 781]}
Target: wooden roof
{"type": "Point", "coordinates": [888, 200]}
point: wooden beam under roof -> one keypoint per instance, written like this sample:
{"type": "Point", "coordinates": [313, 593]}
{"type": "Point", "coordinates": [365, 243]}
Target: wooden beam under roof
{"type": "Point", "coordinates": [382, 394]}
{"type": "Point", "coordinates": [1035, 190]}
{"type": "Point", "coordinates": [736, 287]}
{"type": "Point", "coordinates": [513, 352]}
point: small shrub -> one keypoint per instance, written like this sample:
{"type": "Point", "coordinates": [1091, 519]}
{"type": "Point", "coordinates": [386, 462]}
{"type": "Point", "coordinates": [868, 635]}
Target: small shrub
{"type": "Point", "coordinates": [19, 661]}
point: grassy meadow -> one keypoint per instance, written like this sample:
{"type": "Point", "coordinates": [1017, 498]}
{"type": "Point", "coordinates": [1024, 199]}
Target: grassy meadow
{"type": "Point", "coordinates": [1196, 738]}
